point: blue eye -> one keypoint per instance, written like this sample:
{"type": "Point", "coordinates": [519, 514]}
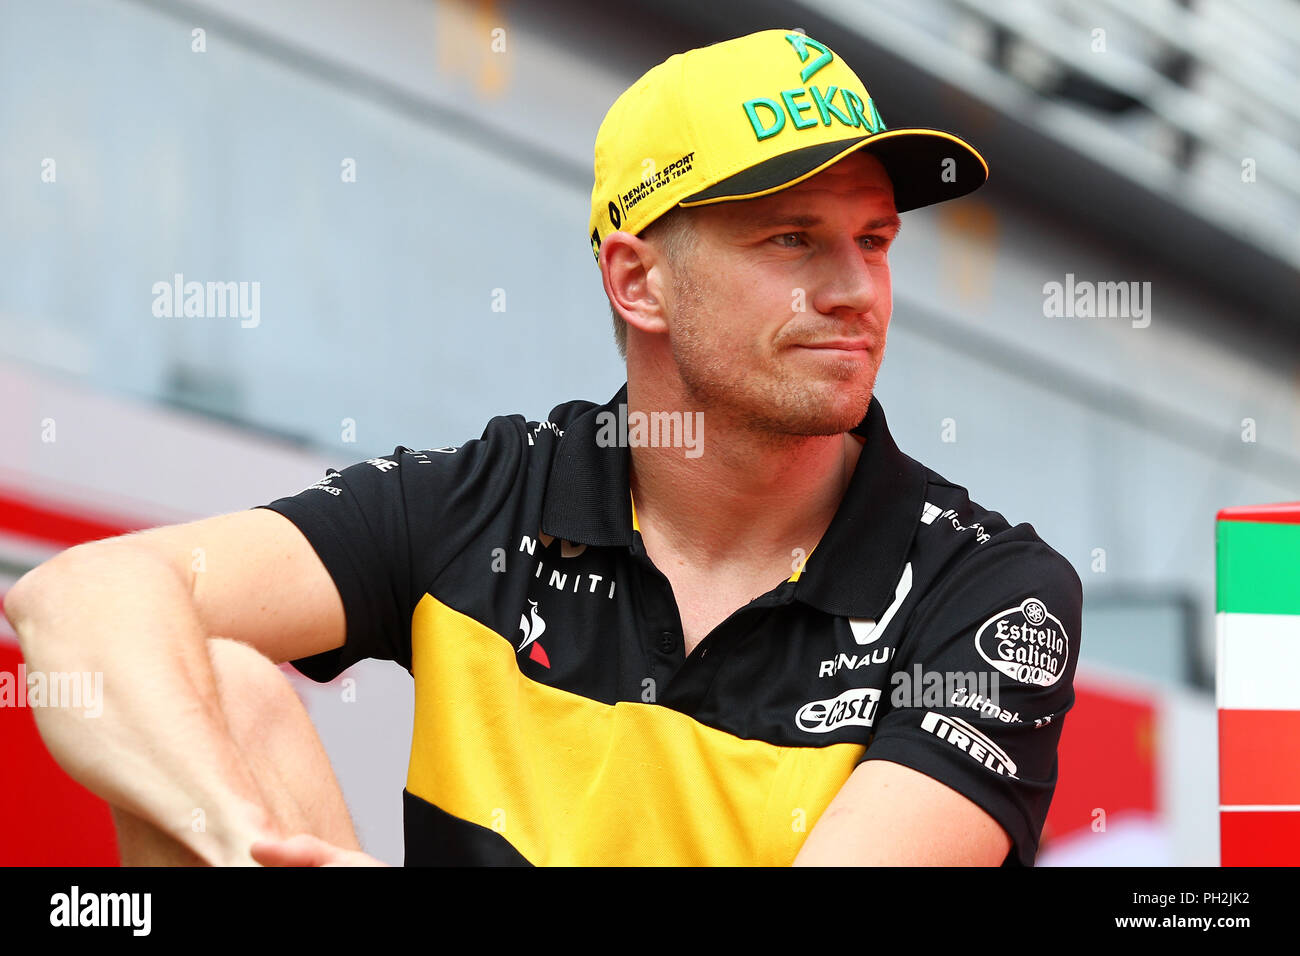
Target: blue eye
{"type": "Point", "coordinates": [878, 243]}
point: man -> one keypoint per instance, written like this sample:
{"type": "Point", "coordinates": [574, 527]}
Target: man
{"type": "Point", "coordinates": [719, 619]}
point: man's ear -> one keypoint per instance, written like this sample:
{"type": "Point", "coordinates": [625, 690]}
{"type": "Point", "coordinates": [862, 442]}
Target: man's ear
{"type": "Point", "coordinates": [630, 269]}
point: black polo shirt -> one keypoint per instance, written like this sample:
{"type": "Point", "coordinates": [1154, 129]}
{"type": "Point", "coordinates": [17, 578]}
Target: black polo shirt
{"type": "Point", "coordinates": [557, 719]}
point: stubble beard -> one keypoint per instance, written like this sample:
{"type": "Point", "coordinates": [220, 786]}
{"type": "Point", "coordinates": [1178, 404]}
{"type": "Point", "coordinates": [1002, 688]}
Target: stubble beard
{"type": "Point", "coordinates": [775, 408]}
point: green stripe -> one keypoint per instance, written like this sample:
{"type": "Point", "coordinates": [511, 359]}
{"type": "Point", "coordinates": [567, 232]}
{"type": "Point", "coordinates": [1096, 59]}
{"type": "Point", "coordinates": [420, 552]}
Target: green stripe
{"type": "Point", "coordinates": [1259, 567]}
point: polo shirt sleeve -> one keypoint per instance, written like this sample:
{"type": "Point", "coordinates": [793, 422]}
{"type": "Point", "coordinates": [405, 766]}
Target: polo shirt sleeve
{"type": "Point", "coordinates": [385, 528]}
{"type": "Point", "coordinates": [1008, 618]}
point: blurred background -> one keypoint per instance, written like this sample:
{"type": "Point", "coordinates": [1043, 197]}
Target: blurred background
{"type": "Point", "coordinates": [398, 191]}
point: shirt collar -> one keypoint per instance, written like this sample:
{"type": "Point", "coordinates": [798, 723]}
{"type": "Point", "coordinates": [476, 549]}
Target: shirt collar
{"type": "Point", "coordinates": [854, 568]}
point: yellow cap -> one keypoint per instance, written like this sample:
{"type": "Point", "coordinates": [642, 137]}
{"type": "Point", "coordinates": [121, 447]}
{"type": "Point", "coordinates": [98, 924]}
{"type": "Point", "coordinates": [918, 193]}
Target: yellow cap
{"type": "Point", "coordinates": [750, 116]}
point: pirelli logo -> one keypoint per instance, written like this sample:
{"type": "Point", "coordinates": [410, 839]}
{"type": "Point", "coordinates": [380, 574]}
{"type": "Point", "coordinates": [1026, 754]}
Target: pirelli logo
{"type": "Point", "coordinates": [970, 741]}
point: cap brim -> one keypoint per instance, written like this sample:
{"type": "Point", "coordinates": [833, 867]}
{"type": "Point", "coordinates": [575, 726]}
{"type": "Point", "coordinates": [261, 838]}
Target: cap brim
{"type": "Point", "coordinates": [914, 158]}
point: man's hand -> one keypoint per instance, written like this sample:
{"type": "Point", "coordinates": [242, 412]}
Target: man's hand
{"type": "Point", "coordinates": [307, 850]}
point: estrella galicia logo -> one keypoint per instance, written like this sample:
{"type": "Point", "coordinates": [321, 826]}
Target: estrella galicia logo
{"type": "Point", "coordinates": [853, 708]}
{"type": "Point", "coordinates": [1027, 643]}
{"type": "Point", "coordinates": [532, 630]}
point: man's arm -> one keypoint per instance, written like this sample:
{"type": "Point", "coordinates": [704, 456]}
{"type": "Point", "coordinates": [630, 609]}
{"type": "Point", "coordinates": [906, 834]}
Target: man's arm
{"type": "Point", "coordinates": [139, 609]}
{"type": "Point", "coordinates": [890, 815]}
{"type": "Point", "coordinates": [964, 780]}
